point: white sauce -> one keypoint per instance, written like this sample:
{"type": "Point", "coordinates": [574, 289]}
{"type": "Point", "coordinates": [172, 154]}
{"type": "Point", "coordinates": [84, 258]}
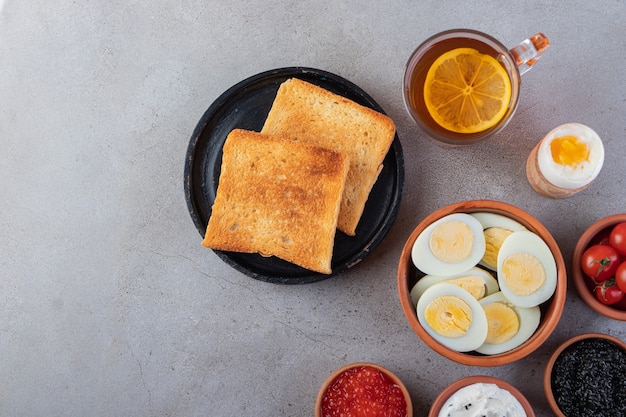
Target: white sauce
{"type": "Point", "coordinates": [482, 399]}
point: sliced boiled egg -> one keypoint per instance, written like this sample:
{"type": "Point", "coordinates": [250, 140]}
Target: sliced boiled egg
{"type": "Point", "coordinates": [476, 281]}
{"type": "Point", "coordinates": [496, 229]}
{"type": "Point", "coordinates": [570, 156]}
{"type": "Point", "coordinates": [488, 220]}
{"type": "Point", "coordinates": [449, 245]}
{"type": "Point", "coordinates": [452, 317]}
{"type": "Point", "coordinates": [526, 269]}
{"type": "Point", "coordinates": [508, 325]}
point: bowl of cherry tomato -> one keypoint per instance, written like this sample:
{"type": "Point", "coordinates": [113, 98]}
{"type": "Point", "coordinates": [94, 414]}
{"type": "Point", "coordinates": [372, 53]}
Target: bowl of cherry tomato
{"type": "Point", "coordinates": [599, 266]}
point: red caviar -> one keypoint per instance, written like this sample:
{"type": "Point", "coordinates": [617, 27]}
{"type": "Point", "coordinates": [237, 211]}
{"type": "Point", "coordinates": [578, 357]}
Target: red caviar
{"type": "Point", "coordinates": [363, 392]}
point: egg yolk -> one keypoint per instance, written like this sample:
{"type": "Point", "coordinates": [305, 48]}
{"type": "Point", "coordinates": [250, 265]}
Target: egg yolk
{"type": "Point", "coordinates": [474, 285]}
{"type": "Point", "coordinates": [451, 242]}
{"type": "Point", "coordinates": [449, 315]}
{"type": "Point", "coordinates": [502, 322]}
{"type": "Point", "coordinates": [568, 150]}
{"type": "Point", "coordinates": [523, 273]}
{"type": "Point", "coordinates": [494, 236]}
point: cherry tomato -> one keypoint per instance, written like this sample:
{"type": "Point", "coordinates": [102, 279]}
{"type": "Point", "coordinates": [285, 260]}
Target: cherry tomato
{"type": "Point", "coordinates": [621, 305]}
{"type": "Point", "coordinates": [620, 276]}
{"type": "Point", "coordinates": [608, 293]}
{"type": "Point", "coordinates": [617, 238]}
{"type": "Point", "coordinates": [600, 262]}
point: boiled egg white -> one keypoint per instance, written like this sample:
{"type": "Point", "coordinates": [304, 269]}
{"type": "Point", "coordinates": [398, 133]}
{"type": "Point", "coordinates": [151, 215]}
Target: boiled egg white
{"type": "Point", "coordinates": [449, 245]}
{"type": "Point", "coordinates": [476, 281]}
{"type": "Point", "coordinates": [570, 156]}
{"type": "Point", "coordinates": [488, 220]}
{"type": "Point", "coordinates": [496, 229]}
{"type": "Point", "coordinates": [509, 325]}
{"type": "Point", "coordinates": [526, 269]}
{"type": "Point", "coordinates": [452, 317]}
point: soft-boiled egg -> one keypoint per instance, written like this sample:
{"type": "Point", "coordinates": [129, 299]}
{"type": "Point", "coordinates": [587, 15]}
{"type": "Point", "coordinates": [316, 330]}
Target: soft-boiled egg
{"type": "Point", "coordinates": [476, 281]}
{"type": "Point", "coordinates": [508, 325]}
{"type": "Point", "coordinates": [526, 269]}
{"type": "Point", "coordinates": [496, 228]}
{"type": "Point", "coordinates": [570, 156]}
{"type": "Point", "coordinates": [452, 317]}
{"type": "Point", "coordinates": [449, 245]}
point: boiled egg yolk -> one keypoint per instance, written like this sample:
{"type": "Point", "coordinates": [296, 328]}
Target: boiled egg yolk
{"type": "Point", "coordinates": [502, 321]}
{"type": "Point", "coordinates": [569, 150]}
{"type": "Point", "coordinates": [472, 284]}
{"type": "Point", "coordinates": [451, 241]}
{"type": "Point", "coordinates": [449, 315]}
{"type": "Point", "coordinates": [524, 274]}
{"type": "Point", "coordinates": [494, 236]}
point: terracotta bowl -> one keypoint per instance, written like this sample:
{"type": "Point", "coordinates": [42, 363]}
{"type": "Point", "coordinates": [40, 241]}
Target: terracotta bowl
{"type": "Point", "coordinates": [388, 373]}
{"type": "Point", "coordinates": [461, 383]}
{"type": "Point", "coordinates": [551, 310]}
{"type": "Point", "coordinates": [547, 376]}
{"type": "Point", "coordinates": [584, 286]}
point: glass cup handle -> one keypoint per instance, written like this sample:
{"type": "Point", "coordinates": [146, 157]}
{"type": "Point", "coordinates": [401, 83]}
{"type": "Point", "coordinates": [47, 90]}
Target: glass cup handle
{"type": "Point", "coordinates": [527, 53]}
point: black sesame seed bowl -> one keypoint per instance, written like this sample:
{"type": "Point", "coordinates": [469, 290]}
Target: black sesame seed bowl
{"type": "Point", "coordinates": [586, 376]}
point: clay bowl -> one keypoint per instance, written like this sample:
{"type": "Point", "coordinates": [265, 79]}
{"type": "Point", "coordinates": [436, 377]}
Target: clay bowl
{"type": "Point", "coordinates": [585, 286]}
{"type": "Point", "coordinates": [389, 375]}
{"type": "Point", "coordinates": [587, 380]}
{"type": "Point", "coordinates": [461, 383]}
{"type": "Point", "coordinates": [551, 310]}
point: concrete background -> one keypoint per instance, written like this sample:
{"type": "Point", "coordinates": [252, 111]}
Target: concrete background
{"type": "Point", "coordinates": [108, 303]}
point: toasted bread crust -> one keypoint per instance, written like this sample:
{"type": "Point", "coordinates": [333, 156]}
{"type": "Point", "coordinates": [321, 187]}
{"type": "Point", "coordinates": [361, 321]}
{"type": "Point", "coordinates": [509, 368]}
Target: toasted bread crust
{"type": "Point", "coordinates": [305, 112]}
{"type": "Point", "coordinates": [277, 197]}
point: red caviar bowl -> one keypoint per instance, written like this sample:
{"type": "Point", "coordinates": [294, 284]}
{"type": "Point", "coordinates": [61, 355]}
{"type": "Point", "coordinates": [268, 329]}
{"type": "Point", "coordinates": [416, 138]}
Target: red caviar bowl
{"type": "Point", "coordinates": [584, 285]}
{"type": "Point", "coordinates": [550, 395]}
{"type": "Point", "coordinates": [470, 380]}
{"type": "Point", "coordinates": [389, 377]}
{"type": "Point", "coordinates": [551, 310]}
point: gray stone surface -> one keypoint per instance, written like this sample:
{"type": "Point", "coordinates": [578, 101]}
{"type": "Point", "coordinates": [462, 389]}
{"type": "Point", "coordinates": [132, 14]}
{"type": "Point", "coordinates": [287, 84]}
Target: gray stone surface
{"type": "Point", "coordinates": [108, 303]}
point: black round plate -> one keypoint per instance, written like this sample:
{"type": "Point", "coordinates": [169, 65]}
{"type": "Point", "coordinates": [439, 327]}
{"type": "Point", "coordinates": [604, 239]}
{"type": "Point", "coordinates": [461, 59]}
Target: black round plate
{"type": "Point", "coordinates": [245, 106]}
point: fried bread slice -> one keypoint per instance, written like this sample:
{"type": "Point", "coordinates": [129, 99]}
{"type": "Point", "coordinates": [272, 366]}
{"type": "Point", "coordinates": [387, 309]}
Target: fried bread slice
{"type": "Point", "coordinates": [311, 114]}
{"type": "Point", "coordinates": [277, 197]}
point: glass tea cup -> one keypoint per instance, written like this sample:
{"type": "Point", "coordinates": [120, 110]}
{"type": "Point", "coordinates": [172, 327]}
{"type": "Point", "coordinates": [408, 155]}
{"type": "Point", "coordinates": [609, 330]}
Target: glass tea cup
{"type": "Point", "coordinates": [515, 61]}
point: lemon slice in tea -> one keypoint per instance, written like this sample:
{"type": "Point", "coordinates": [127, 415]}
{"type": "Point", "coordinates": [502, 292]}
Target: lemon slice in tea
{"type": "Point", "coordinates": [467, 91]}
